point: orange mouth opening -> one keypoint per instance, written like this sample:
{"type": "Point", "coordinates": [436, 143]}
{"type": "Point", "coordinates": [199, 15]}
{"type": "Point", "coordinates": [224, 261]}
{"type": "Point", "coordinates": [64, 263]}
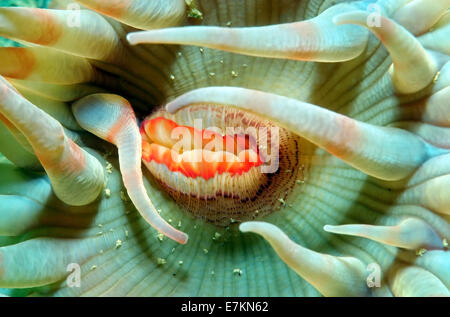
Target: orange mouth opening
{"type": "Point", "coordinates": [197, 153]}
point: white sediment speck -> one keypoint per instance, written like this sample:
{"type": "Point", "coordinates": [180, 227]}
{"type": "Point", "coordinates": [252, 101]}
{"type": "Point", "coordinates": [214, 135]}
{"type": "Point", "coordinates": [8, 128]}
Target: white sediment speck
{"type": "Point", "coordinates": [237, 272]}
{"type": "Point", "coordinates": [109, 168]}
{"type": "Point", "coordinates": [161, 261]}
{"type": "Point", "coordinates": [160, 237]}
{"type": "Point", "coordinates": [421, 252]}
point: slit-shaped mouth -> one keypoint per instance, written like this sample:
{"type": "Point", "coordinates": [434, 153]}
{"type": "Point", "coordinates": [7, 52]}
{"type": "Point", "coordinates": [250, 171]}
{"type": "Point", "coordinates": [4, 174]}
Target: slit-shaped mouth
{"type": "Point", "coordinates": [197, 153]}
{"type": "Point", "coordinates": [240, 167]}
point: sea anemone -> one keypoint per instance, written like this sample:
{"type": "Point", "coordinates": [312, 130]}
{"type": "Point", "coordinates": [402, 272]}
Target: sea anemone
{"type": "Point", "coordinates": [359, 201]}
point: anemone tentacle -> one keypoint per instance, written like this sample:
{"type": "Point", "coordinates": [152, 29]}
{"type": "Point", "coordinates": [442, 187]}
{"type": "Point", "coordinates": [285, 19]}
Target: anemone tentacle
{"type": "Point", "coordinates": [332, 276]}
{"type": "Point", "coordinates": [42, 64]}
{"type": "Point", "coordinates": [416, 282]}
{"type": "Point", "coordinates": [375, 150]}
{"type": "Point", "coordinates": [141, 13]}
{"type": "Point", "coordinates": [13, 149]}
{"type": "Point", "coordinates": [419, 16]}
{"type": "Point", "coordinates": [410, 234]}
{"type": "Point", "coordinates": [312, 40]}
{"type": "Point", "coordinates": [118, 125]}
{"type": "Point", "coordinates": [76, 176]}
{"type": "Point", "coordinates": [90, 36]}
{"type": "Point", "coordinates": [413, 68]}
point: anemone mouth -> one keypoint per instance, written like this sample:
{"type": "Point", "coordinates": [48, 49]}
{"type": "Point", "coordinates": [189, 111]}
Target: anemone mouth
{"type": "Point", "coordinates": [245, 166]}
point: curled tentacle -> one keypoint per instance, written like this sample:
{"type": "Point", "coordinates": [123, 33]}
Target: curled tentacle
{"type": "Point", "coordinates": [111, 118]}
{"type": "Point", "coordinates": [76, 176]}
{"type": "Point", "coordinates": [413, 68]}
{"type": "Point", "coordinates": [330, 275]}
{"type": "Point", "coordinates": [313, 40]}
{"type": "Point", "coordinates": [419, 16]}
{"type": "Point", "coordinates": [385, 153]}
{"type": "Point", "coordinates": [141, 14]}
{"type": "Point", "coordinates": [410, 234]}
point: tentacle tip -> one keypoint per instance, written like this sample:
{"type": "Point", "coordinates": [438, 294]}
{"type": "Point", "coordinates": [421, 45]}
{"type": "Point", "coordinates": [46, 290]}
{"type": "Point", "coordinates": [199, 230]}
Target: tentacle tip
{"type": "Point", "coordinates": [243, 227]}
{"type": "Point", "coordinates": [183, 239]}
{"type": "Point", "coordinates": [246, 227]}
{"type": "Point", "coordinates": [133, 38]}
{"type": "Point", "coordinates": [327, 228]}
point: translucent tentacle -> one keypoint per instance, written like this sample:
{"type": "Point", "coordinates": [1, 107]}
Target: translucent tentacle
{"type": "Point", "coordinates": [437, 38]}
{"type": "Point", "coordinates": [385, 153]}
{"type": "Point", "coordinates": [44, 261]}
{"type": "Point", "coordinates": [330, 275]}
{"type": "Point", "coordinates": [432, 194]}
{"type": "Point", "coordinates": [410, 234]}
{"type": "Point", "coordinates": [111, 118]}
{"type": "Point", "coordinates": [14, 151]}
{"type": "Point", "coordinates": [413, 281]}
{"type": "Point", "coordinates": [313, 40]}
{"type": "Point", "coordinates": [83, 33]}
{"type": "Point", "coordinates": [57, 92]}
{"type": "Point", "coordinates": [413, 69]}
{"type": "Point", "coordinates": [437, 262]}
{"type": "Point", "coordinates": [76, 176]}
{"type": "Point", "coordinates": [141, 14]}
{"type": "Point", "coordinates": [44, 64]}
{"type": "Point", "coordinates": [419, 16]}
{"type": "Point", "coordinates": [58, 110]}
